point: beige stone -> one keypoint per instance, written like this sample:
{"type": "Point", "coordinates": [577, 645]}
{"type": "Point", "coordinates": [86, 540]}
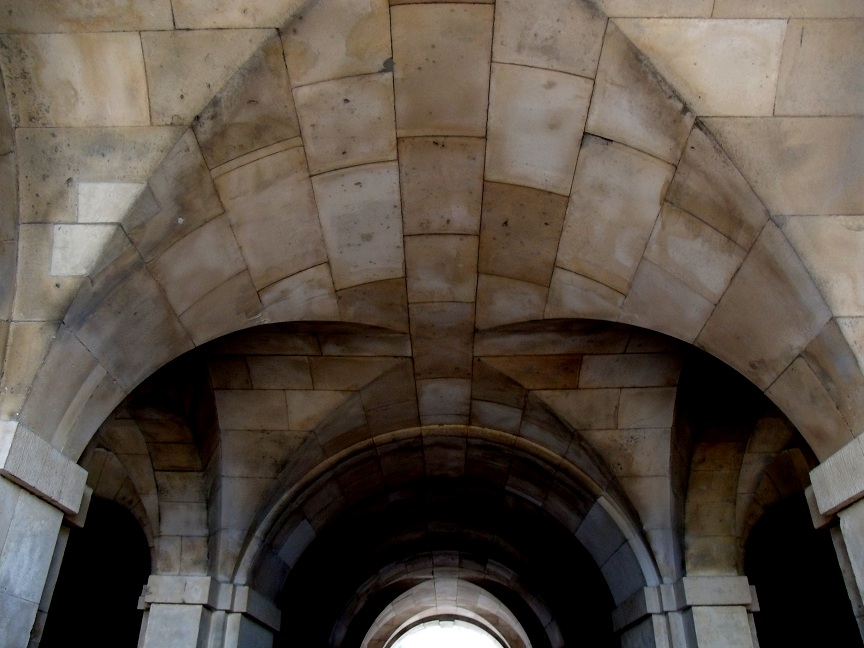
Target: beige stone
{"type": "Point", "coordinates": [49, 157]}
{"type": "Point", "coordinates": [630, 370]}
{"type": "Point", "coordinates": [180, 197]}
{"type": "Point", "coordinates": [9, 189]}
{"type": "Point", "coordinates": [617, 195]}
{"type": "Point", "coordinates": [657, 9]}
{"type": "Point", "coordinates": [831, 248]}
{"type": "Point", "coordinates": [770, 312]}
{"type": "Point", "coordinates": [809, 87]}
{"type": "Point", "coordinates": [695, 253]}
{"type": "Point", "coordinates": [443, 397]}
{"type": "Point", "coordinates": [253, 110]}
{"type": "Point", "coordinates": [76, 248]}
{"type": "Point", "coordinates": [186, 68]}
{"type": "Point", "coordinates": [442, 184]}
{"type": "Point", "coordinates": [198, 263]}
{"type": "Point", "coordinates": [441, 267]}
{"type": "Point", "coordinates": [272, 211]}
{"type": "Point", "coordinates": [633, 452]}
{"type": "Point", "coordinates": [106, 202]}
{"type": "Point", "coordinates": [552, 34]}
{"type": "Point", "coordinates": [540, 372]}
{"type": "Point", "coordinates": [720, 67]}
{"type": "Point", "coordinates": [75, 79]}
{"type": "Point", "coordinates": [380, 303]}
{"type": "Point", "coordinates": [661, 302]}
{"type": "Point", "coordinates": [646, 407]}
{"type": "Point", "coordinates": [307, 409]}
{"type": "Point", "coordinates": [307, 295]}
{"type": "Point", "coordinates": [230, 306]}
{"type": "Point", "coordinates": [584, 409]}
{"type": "Point", "coordinates": [633, 105]}
{"type": "Point", "coordinates": [431, 42]}
{"type": "Point", "coordinates": [343, 374]}
{"type": "Point", "coordinates": [573, 295]}
{"type": "Point", "coordinates": [708, 185]}
{"type": "Point", "coordinates": [442, 335]}
{"type": "Point", "coordinates": [330, 40]}
{"type": "Point", "coordinates": [252, 409]}
{"type": "Point", "coordinates": [348, 121]}
{"type": "Point", "coordinates": [535, 143]}
{"type": "Point", "coordinates": [279, 372]}
{"type": "Point", "coordinates": [520, 231]}
{"type": "Point", "coordinates": [797, 164]}
{"type": "Point", "coordinates": [28, 344]}
{"type": "Point", "coordinates": [501, 300]}
{"type": "Point", "coordinates": [77, 16]}
{"type": "Point", "coordinates": [226, 14]}
{"type": "Point", "coordinates": [853, 331]}
{"type": "Point", "coordinates": [788, 9]}
{"type": "Point", "coordinates": [362, 223]}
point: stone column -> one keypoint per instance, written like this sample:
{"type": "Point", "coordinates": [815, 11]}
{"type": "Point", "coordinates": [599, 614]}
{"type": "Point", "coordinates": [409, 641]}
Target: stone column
{"type": "Point", "coordinates": [200, 612]}
{"type": "Point", "coordinates": [38, 485]}
{"type": "Point", "coordinates": [695, 612]}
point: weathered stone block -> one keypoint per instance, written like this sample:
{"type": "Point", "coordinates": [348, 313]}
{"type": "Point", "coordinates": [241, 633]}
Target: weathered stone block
{"type": "Point", "coordinates": [441, 268]}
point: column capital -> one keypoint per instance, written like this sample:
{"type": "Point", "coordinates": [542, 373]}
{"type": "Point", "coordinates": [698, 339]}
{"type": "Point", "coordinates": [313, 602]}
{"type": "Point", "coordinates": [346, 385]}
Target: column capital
{"type": "Point", "coordinates": [839, 480]}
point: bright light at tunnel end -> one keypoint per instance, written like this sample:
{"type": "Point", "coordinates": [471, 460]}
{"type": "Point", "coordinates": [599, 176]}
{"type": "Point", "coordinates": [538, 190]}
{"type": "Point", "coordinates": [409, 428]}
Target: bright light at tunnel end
{"type": "Point", "coordinates": [438, 634]}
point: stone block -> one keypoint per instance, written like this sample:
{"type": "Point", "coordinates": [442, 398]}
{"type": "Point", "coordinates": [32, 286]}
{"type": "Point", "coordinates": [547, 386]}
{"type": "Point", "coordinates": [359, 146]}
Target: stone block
{"type": "Point", "coordinates": [379, 303]}
{"type": "Point", "coordinates": [657, 8]}
{"type": "Point", "coordinates": [540, 372]}
{"type": "Point", "coordinates": [253, 453]}
{"type": "Point", "coordinates": [490, 384]}
{"type": "Point", "coordinates": [648, 407]}
{"type": "Point", "coordinates": [9, 189]}
{"type": "Point", "coordinates": [48, 157]}
{"type": "Point", "coordinates": [441, 51]}
{"type": "Point", "coordinates": [328, 40]}
{"type": "Point", "coordinates": [535, 143]}
{"type": "Point", "coordinates": [442, 337]}
{"type": "Point", "coordinates": [642, 452]}
{"type": "Point", "coordinates": [441, 268]}
{"type": "Point", "coordinates": [342, 374]}
{"type": "Point", "coordinates": [630, 370]}
{"type": "Point", "coordinates": [307, 409]}
{"type": "Point", "coordinates": [186, 68]}
{"type": "Point", "coordinates": [795, 164]}
{"type": "Point", "coordinates": [252, 409]}
{"type": "Point", "coordinates": [172, 625]}
{"type": "Point", "coordinates": [572, 295]}
{"type": "Point", "coordinates": [652, 498]}
{"type": "Point", "coordinates": [180, 486]}
{"type": "Point", "coordinates": [617, 195]}
{"type": "Point", "coordinates": [807, 86]}
{"type": "Point", "coordinates": [713, 77]}
{"type": "Point", "coordinates": [346, 122]}
{"type": "Point", "coordinates": [633, 105]}
{"type": "Point", "coordinates": [183, 518]}
{"type": "Point", "coordinates": [230, 306]}
{"type": "Point", "coordinates": [180, 197]}
{"type": "Point", "coordinates": [17, 617]}
{"type": "Point", "coordinates": [584, 409]}
{"type": "Point", "coordinates": [693, 252]}
{"type": "Point", "coordinates": [599, 534]}
{"type": "Point", "coordinates": [106, 202]}
{"type": "Point", "coordinates": [787, 9]}
{"type": "Point", "coordinates": [442, 184]}
{"type": "Point", "coordinates": [174, 456]}
{"type": "Point", "coordinates": [278, 372]}
{"type": "Point", "coordinates": [75, 79]}
{"type": "Point", "coordinates": [194, 556]}
{"type": "Point", "coordinates": [552, 34]}
{"type": "Point", "coordinates": [168, 554]}
{"type": "Point", "coordinates": [770, 312]}
{"type": "Point", "coordinates": [372, 343]}
{"type": "Point", "coordinates": [506, 301]}
{"type": "Point", "coordinates": [362, 223]}
{"type": "Point", "coordinates": [66, 16]}
{"type": "Point", "coordinates": [570, 337]}
{"type": "Point", "coordinates": [520, 230]}
{"type": "Point", "coordinates": [272, 210]}
{"type": "Point", "coordinates": [717, 626]}
{"type": "Point", "coordinates": [838, 480]}
{"type": "Point", "coordinates": [254, 109]}
{"type": "Point", "coordinates": [84, 249]}
{"type": "Point", "coordinates": [444, 396]}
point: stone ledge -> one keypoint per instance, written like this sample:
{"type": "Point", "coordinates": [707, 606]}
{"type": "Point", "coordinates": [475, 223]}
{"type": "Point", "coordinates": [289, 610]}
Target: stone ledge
{"type": "Point", "coordinates": [37, 466]}
{"type": "Point", "coordinates": [839, 480]}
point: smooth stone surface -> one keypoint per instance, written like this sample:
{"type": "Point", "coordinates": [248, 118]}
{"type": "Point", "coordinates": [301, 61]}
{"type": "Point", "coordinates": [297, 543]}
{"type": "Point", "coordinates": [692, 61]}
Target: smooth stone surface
{"type": "Point", "coordinates": [441, 179]}
{"type": "Point", "coordinates": [809, 86]}
{"type": "Point", "coordinates": [380, 303]}
{"type": "Point", "coordinates": [76, 247]}
{"type": "Point", "coordinates": [75, 79]}
{"type": "Point", "coordinates": [501, 300]}
{"type": "Point", "coordinates": [307, 295]}
{"type": "Point", "coordinates": [573, 295]}
{"type": "Point", "coordinates": [38, 295]}
{"type": "Point", "coordinates": [584, 409]}
{"type": "Point", "coordinates": [535, 143]}
{"type": "Point", "coordinates": [617, 195]}
{"type": "Point", "coordinates": [424, 72]}
{"type": "Point", "coordinates": [28, 343]}
{"type": "Point", "coordinates": [361, 220]}
{"type": "Point", "coordinates": [441, 267]}
{"type": "Point", "coordinates": [84, 16]}
{"type": "Point", "coordinates": [347, 122]}
{"type": "Point", "coordinates": [558, 35]}
{"type": "Point", "coordinates": [633, 105]}
{"type": "Point", "coordinates": [540, 372]}
{"type": "Point", "coordinates": [788, 9]}
{"type": "Point", "coordinates": [442, 335]}
{"type": "Point", "coordinates": [106, 202]}
{"type": "Point", "coordinates": [331, 40]}
{"type": "Point", "coordinates": [186, 68]}
{"type": "Point", "coordinates": [272, 210]}
{"type": "Point", "coordinates": [703, 60]}
{"type": "Point", "coordinates": [232, 305]}
{"type": "Point", "coordinates": [520, 231]}
{"type": "Point", "coordinates": [222, 14]}
{"type": "Point", "coordinates": [657, 8]}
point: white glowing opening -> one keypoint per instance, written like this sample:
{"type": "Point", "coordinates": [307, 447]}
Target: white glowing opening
{"type": "Point", "coordinates": [436, 634]}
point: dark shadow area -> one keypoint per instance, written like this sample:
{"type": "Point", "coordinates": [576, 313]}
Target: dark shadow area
{"type": "Point", "coordinates": [798, 581]}
{"type": "Point", "coordinates": [105, 566]}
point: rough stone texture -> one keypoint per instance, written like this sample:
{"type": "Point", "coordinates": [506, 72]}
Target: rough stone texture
{"type": "Point", "coordinates": [633, 105]}
{"type": "Point", "coordinates": [272, 210]}
{"type": "Point", "coordinates": [797, 164]}
{"type": "Point", "coordinates": [520, 224]}
{"type": "Point", "coordinates": [53, 79]}
{"type": "Point", "coordinates": [361, 220]}
{"type": "Point", "coordinates": [762, 323]}
{"type": "Point", "coordinates": [347, 121]}
{"type": "Point", "coordinates": [609, 219]}
{"type": "Point", "coordinates": [442, 184]}
{"type": "Point", "coordinates": [38, 295]}
{"type": "Point", "coordinates": [254, 109]}
{"type": "Point", "coordinates": [77, 16]}
{"type": "Point", "coordinates": [326, 40]}
{"type": "Point", "coordinates": [702, 60]}
{"type": "Point", "coordinates": [552, 34]}
{"type": "Point", "coordinates": [535, 143]}
{"type": "Point", "coordinates": [186, 68]}
{"type": "Point", "coordinates": [807, 86]}
{"type": "Point", "coordinates": [424, 73]}
{"type": "Point", "coordinates": [441, 268]}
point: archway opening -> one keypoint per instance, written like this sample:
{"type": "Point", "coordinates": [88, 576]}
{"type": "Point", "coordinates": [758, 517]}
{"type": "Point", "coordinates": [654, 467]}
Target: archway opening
{"type": "Point", "coordinates": [454, 633]}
